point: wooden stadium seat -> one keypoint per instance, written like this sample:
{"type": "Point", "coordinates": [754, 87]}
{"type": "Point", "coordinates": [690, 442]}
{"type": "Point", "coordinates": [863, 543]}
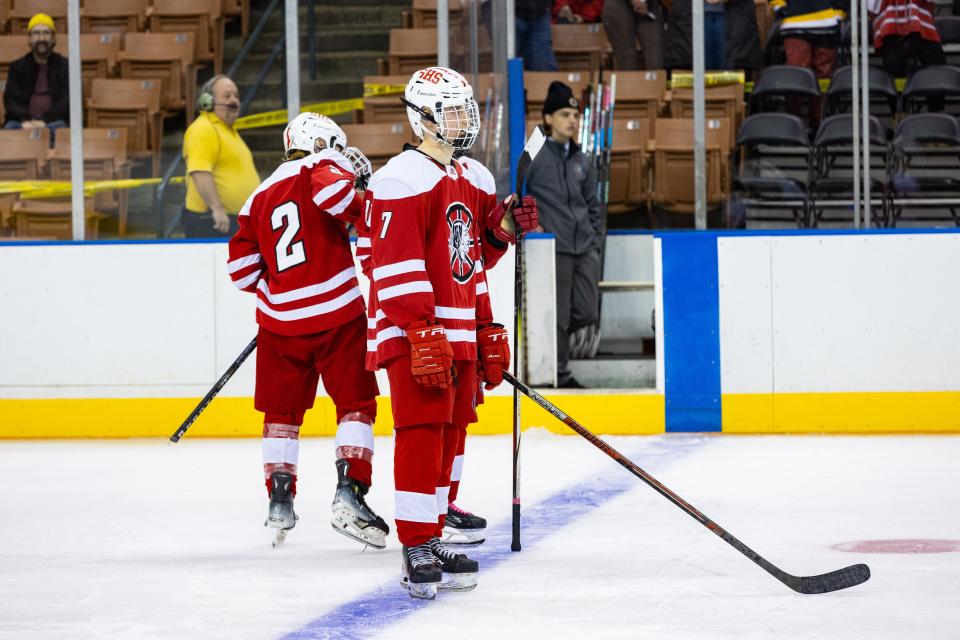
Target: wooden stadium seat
{"type": "Point", "coordinates": [133, 105]}
{"type": "Point", "coordinates": [386, 107]}
{"type": "Point", "coordinates": [724, 101]}
{"type": "Point", "coordinates": [98, 55]}
{"type": "Point", "coordinates": [167, 58]}
{"type": "Point", "coordinates": [640, 95]}
{"type": "Point", "coordinates": [24, 154]}
{"type": "Point", "coordinates": [628, 165]}
{"type": "Point", "coordinates": [113, 16]}
{"type": "Point", "coordinates": [536, 83]}
{"type": "Point", "coordinates": [424, 13]}
{"type": "Point", "coordinates": [238, 9]}
{"type": "Point", "coordinates": [379, 142]}
{"type": "Point", "coordinates": [580, 47]}
{"type": "Point", "coordinates": [7, 200]}
{"type": "Point", "coordinates": [22, 10]}
{"type": "Point", "coordinates": [201, 17]}
{"type": "Point", "coordinates": [11, 48]}
{"type": "Point", "coordinates": [104, 158]}
{"type": "Point", "coordinates": [672, 185]}
{"type": "Point", "coordinates": [52, 219]}
{"type": "Point", "coordinates": [411, 49]}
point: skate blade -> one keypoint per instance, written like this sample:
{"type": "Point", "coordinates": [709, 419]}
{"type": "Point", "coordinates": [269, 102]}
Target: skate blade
{"type": "Point", "coordinates": [463, 536]}
{"type": "Point", "coordinates": [422, 591]}
{"type": "Point", "coordinates": [458, 582]}
{"type": "Point", "coordinates": [371, 536]}
{"type": "Point", "coordinates": [279, 537]}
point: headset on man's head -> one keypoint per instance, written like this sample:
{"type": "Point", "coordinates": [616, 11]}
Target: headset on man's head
{"type": "Point", "coordinates": [205, 101]}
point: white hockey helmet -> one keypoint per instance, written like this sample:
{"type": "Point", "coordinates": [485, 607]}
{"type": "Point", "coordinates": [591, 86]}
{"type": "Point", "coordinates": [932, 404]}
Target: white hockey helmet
{"type": "Point", "coordinates": [443, 96]}
{"type": "Point", "coordinates": [361, 165]}
{"type": "Point", "coordinates": [304, 131]}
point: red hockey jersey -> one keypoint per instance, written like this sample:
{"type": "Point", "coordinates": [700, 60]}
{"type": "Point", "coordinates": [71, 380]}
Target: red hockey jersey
{"type": "Point", "coordinates": [293, 250]}
{"type": "Point", "coordinates": [423, 230]}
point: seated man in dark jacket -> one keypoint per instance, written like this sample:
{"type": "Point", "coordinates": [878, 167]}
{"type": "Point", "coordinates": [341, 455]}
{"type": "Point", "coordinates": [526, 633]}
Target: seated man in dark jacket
{"type": "Point", "coordinates": [38, 91]}
{"type": "Point", "coordinates": [564, 182]}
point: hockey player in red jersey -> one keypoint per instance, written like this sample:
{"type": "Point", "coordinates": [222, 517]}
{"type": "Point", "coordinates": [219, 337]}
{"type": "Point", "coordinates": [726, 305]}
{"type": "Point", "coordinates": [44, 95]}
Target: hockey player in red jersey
{"type": "Point", "coordinates": [426, 215]}
{"type": "Point", "coordinates": [292, 250]}
{"type": "Point", "coordinates": [497, 230]}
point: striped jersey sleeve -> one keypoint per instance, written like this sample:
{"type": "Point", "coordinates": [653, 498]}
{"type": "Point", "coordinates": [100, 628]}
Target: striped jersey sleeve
{"type": "Point", "coordinates": [332, 190]}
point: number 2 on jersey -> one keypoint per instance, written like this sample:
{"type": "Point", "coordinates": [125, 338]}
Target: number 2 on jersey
{"type": "Point", "coordinates": [288, 255]}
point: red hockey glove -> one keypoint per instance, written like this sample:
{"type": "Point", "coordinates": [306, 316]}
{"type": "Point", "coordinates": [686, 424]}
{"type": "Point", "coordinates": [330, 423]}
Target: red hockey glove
{"type": "Point", "coordinates": [493, 349]}
{"type": "Point", "coordinates": [431, 355]}
{"type": "Point", "coordinates": [525, 216]}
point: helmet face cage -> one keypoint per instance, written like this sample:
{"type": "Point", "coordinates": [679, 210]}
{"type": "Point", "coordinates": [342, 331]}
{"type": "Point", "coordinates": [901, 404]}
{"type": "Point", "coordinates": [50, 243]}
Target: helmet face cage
{"type": "Point", "coordinates": [361, 165]}
{"type": "Point", "coordinates": [459, 125]}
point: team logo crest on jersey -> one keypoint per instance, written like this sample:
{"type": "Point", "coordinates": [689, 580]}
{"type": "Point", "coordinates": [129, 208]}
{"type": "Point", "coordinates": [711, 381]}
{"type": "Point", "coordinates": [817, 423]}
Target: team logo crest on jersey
{"type": "Point", "coordinates": [461, 242]}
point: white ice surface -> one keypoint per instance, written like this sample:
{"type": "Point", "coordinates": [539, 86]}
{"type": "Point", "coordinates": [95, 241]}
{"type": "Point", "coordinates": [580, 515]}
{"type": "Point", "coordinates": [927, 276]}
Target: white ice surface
{"type": "Point", "coordinates": [138, 539]}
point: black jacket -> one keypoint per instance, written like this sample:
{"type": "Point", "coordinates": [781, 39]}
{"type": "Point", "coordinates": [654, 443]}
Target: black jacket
{"type": "Point", "coordinates": [741, 36]}
{"type": "Point", "coordinates": [566, 193]}
{"type": "Point", "coordinates": [20, 82]}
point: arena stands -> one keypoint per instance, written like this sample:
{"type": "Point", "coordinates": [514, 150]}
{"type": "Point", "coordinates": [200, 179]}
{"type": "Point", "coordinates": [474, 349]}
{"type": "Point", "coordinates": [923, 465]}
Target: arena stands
{"type": "Point", "coordinates": [142, 61]}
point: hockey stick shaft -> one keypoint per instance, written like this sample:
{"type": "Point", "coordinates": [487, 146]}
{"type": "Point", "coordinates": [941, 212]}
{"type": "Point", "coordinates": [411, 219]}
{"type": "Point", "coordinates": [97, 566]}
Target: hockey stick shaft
{"type": "Point", "coordinates": [840, 579]}
{"type": "Point", "coordinates": [530, 151]}
{"type": "Point", "coordinates": [517, 320]}
{"type": "Point", "coordinates": [213, 391]}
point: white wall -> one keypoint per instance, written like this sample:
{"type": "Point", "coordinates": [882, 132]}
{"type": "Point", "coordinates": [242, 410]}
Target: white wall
{"type": "Point", "coordinates": [135, 320]}
{"type": "Point", "coordinates": [833, 313]}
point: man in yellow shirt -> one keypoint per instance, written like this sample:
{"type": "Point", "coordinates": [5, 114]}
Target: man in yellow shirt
{"type": "Point", "coordinates": [220, 169]}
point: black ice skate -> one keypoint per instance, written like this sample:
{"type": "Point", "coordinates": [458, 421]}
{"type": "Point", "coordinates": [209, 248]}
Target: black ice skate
{"type": "Point", "coordinates": [281, 517]}
{"type": "Point", "coordinates": [352, 516]}
{"type": "Point", "coordinates": [421, 571]}
{"type": "Point", "coordinates": [462, 527]}
{"type": "Point", "coordinates": [459, 571]}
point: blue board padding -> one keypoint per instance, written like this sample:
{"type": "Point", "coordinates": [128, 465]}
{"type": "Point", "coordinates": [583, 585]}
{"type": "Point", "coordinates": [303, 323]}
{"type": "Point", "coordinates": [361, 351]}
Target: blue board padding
{"type": "Point", "coordinates": [691, 310]}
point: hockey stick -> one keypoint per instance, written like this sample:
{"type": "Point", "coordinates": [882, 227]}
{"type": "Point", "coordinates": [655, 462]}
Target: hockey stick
{"type": "Point", "coordinates": [214, 391]}
{"type": "Point", "coordinates": [834, 581]}
{"type": "Point", "coordinates": [530, 151]}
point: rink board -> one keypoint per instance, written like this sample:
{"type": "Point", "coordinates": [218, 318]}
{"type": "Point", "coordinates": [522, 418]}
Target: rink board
{"type": "Point", "coordinates": [776, 332]}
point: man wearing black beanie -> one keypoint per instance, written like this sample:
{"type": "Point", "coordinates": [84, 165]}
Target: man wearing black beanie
{"type": "Point", "coordinates": [564, 182]}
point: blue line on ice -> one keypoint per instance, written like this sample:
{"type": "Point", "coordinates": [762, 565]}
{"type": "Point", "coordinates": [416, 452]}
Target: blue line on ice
{"type": "Point", "coordinates": [389, 603]}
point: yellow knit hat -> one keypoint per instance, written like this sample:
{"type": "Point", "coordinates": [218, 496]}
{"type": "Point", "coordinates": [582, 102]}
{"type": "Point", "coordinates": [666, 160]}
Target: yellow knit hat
{"type": "Point", "coordinates": [41, 19]}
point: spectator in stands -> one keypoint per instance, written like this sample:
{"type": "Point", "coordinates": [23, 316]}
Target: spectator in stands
{"type": "Point", "coordinates": [906, 37]}
{"type": "Point", "coordinates": [629, 21]}
{"type": "Point", "coordinates": [534, 40]}
{"type": "Point", "coordinates": [219, 164]}
{"type": "Point", "coordinates": [577, 11]}
{"type": "Point", "coordinates": [564, 182]}
{"type": "Point", "coordinates": [732, 37]}
{"type": "Point", "coordinates": [811, 36]}
{"type": "Point", "coordinates": [38, 88]}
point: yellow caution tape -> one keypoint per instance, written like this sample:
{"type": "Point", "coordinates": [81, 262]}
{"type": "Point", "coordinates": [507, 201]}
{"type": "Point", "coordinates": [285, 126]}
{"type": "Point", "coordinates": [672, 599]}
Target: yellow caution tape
{"type": "Point", "coordinates": [684, 79]}
{"type": "Point", "coordinates": [39, 189]}
{"type": "Point", "coordinates": [278, 117]}
{"type": "Point", "coordinates": [371, 90]}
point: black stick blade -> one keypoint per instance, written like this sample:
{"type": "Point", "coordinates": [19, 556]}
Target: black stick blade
{"type": "Point", "coordinates": [834, 581]}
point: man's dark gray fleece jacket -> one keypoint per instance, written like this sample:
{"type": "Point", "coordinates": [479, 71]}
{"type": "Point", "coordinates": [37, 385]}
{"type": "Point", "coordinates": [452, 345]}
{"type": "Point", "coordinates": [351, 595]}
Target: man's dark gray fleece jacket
{"type": "Point", "coordinates": [566, 193]}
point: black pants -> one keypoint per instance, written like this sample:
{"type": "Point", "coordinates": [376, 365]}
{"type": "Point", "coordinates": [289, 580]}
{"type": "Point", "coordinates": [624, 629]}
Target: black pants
{"type": "Point", "coordinates": [578, 301]}
{"type": "Point", "coordinates": [903, 54]}
{"type": "Point", "coordinates": [200, 225]}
